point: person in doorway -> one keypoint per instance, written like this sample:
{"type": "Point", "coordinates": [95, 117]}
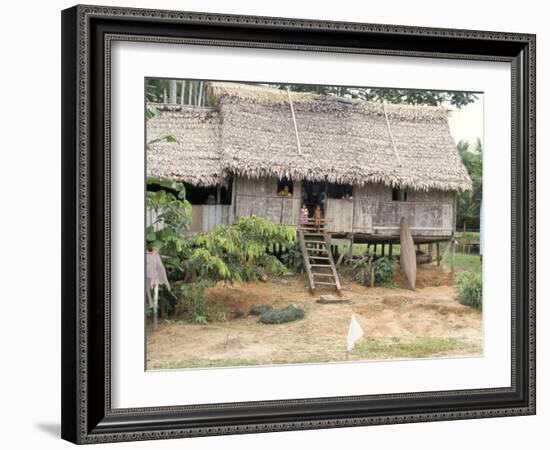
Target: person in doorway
{"type": "Point", "coordinates": [317, 216]}
{"type": "Point", "coordinates": [285, 192]}
{"type": "Point", "coordinates": [347, 196]}
{"type": "Point", "coordinates": [304, 215]}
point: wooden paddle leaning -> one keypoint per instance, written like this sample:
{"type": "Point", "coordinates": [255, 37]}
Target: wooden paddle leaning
{"type": "Point", "coordinates": [408, 254]}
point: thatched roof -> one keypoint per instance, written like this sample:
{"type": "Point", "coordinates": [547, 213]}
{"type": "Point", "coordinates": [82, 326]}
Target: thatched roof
{"type": "Point", "coordinates": [342, 141]}
{"type": "Point", "coordinates": [195, 157]}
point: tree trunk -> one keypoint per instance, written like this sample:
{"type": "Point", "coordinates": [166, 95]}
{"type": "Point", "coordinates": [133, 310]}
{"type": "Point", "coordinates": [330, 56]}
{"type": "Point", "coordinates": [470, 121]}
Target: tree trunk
{"type": "Point", "coordinates": [182, 98]}
{"type": "Point", "coordinates": [173, 91]}
{"type": "Point", "coordinates": [201, 84]}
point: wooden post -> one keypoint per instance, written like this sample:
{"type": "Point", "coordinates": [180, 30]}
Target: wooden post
{"type": "Point", "coordinates": [453, 255]}
{"type": "Point", "coordinates": [383, 249]}
{"type": "Point", "coordinates": [390, 253]}
{"type": "Point", "coordinates": [155, 306]}
{"type": "Point", "coordinates": [430, 251]}
{"type": "Point", "coordinates": [182, 98]}
{"type": "Point", "coordinates": [233, 207]}
{"type": "Point", "coordinates": [173, 91]}
{"type": "Point", "coordinates": [437, 255]}
{"type": "Point", "coordinates": [351, 248]}
{"type": "Point", "coordinates": [372, 275]}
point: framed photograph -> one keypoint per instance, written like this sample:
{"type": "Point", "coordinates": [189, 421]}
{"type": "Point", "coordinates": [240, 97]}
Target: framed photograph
{"type": "Point", "coordinates": [281, 224]}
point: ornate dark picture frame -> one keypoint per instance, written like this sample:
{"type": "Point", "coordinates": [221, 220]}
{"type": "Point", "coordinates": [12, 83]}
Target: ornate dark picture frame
{"type": "Point", "coordinates": [87, 34]}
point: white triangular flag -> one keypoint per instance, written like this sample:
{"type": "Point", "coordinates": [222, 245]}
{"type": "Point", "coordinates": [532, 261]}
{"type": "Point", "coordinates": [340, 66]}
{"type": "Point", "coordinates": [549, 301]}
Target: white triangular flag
{"type": "Point", "coordinates": [354, 333]}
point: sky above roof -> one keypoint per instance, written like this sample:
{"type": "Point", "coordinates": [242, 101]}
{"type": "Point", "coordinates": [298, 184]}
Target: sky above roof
{"type": "Point", "coordinates": [466, 124]}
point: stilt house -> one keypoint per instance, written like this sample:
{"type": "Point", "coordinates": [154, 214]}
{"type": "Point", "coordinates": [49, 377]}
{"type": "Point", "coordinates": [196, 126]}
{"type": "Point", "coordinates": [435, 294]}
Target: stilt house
{"type": "Point", "coordinates": [367, 164]}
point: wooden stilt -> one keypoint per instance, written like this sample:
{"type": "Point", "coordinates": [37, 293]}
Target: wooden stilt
{"type": "Point", "coordinates": [383, 249]}
{"type": "Point", "coordinates": [430, 252]}
{"type": "Point", "coordinates": [437, 255]}
{"type": "Point", "coordinates": [390, 253]}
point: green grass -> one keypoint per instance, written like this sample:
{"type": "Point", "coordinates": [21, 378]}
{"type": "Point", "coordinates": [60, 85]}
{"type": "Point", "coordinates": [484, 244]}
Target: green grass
{"type": "Point", "coordinates": [367, 349]}
{"type": "Point", "coordinates": [195, 363]}
{"type": "Point", "coordinates": [463, 261]}
{"type": "Point", "coordinates": [465, 238]}
{"type": "Point", "coordinates": [421, 348]}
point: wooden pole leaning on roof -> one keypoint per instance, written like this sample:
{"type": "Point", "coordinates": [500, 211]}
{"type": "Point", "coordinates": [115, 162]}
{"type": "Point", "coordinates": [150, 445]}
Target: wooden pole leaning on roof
{"type": "Point", "coordinates": [294, 121]}
{"type": "Point", "coordinates": [390, 133]}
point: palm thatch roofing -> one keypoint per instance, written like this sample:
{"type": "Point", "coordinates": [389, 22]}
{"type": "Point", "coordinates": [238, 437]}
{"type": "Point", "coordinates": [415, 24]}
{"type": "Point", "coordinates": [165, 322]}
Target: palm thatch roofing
{"type": "Point", "coordinates": [253, 133]}
{"type": "Point", "coordinates": [195, 155]}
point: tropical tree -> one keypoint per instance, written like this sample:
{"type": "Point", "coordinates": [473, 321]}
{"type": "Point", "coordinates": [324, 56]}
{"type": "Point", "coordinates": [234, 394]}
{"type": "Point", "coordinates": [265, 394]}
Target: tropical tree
{"type": "Point", "coordinates": [469, 203]}
{"type": "Point", "coordinates": [403, 96]}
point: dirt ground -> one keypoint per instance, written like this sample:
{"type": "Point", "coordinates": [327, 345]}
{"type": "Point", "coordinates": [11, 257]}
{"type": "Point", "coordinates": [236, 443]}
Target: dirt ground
{"type": "Point", "coordinates": [397, 323]}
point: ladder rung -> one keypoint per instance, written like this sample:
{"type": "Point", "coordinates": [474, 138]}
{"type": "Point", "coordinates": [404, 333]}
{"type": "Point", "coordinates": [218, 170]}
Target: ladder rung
{"type": "Point", "coordinates": [317, 250]}
{"type": "Point", "coordinates": [323, 274]}
{"type": "Point", "coordinates": [315, 242]}
{"type": "Point", "coordinates": [313, 234]}
{"type": "Point", "coordinates": [325, 283]}
{"type": "Point", "coordinates": [320, 265]}
{"type": "Point", "coordinates": [319, 257]}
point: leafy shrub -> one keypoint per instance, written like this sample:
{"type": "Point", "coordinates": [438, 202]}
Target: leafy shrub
{"type": "Point", "coordinates": [362, 270]}
{"type": "Point", "coordinates": [383, 270]}
{"type": "Point", "coordinates": [293, 258]}
{"type": "Point", "coordinates": [226, 254]}
{"type": "Point", "coordinates": [470, 288]}
{"type": "Point", "coordinates": [173, 215]}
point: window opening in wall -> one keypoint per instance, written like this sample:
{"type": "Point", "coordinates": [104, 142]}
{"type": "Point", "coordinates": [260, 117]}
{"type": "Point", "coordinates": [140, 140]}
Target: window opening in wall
{"type": "Point", "coordinates": [399, 195]}
{"type": "Point", "coordinates": [285, 187]}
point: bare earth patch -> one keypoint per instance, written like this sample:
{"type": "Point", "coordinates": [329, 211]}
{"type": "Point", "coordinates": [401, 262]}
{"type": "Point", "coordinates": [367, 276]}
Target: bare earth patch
{"type": "Point", "coordinates": [397, 323]}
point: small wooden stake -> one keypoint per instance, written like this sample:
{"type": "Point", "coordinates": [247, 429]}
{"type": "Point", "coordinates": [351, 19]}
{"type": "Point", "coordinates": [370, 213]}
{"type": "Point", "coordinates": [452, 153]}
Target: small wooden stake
{"type": "Point", "coordinates": [155, 306]}
{"type": "Point", "coordinates": [453, 256]}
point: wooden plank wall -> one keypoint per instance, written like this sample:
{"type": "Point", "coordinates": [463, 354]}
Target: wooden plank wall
{"type": "Point", "coordinates": [339, 214]}
{"type": "Point", "coordinates": [214, 215]}
{"type": "Point", "coordinates": [372, 207]}
{"type": "Point", "coordinates": [259, 197]}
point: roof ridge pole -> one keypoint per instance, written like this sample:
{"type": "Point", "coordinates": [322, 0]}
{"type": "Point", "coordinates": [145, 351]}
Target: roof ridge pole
{"type": "Point", "coordinates": [294, 121]}
{"type": "Point", "coordinates": [396, 153]}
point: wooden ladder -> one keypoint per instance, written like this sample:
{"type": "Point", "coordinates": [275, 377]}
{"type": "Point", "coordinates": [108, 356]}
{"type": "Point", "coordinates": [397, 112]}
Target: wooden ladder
{"type": "Point", "coordinates": [318, 260]}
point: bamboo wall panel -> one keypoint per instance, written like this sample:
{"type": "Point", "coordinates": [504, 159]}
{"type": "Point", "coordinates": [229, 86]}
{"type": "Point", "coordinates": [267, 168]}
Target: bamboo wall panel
{"type": "Point", "coordinates": [214, 215]}
{"type": "Point", "coordinates": [290, 211]}
{"type": "Point", "coordinates": [339, 214]}
{"type": "Point", "coordinates": [362, 215]}
{"type": "Point", "coordinates": [273, 210]}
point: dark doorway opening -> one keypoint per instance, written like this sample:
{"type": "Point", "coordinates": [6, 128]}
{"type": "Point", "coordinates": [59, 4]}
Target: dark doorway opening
{"type": "Point", "coordinates": [314, 193]}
